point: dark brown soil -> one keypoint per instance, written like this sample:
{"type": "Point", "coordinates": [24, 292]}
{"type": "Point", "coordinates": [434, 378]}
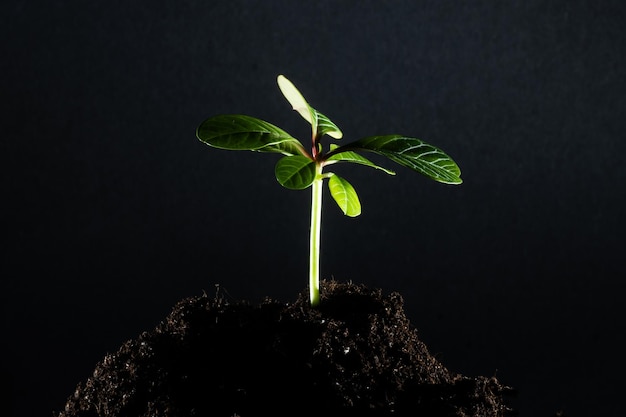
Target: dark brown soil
{"type": "Point", "coordinates": [357, 354]}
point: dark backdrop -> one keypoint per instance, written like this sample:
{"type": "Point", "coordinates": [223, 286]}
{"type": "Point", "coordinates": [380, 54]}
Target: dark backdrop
{"type": "Point", "coordinates": [113, 211]}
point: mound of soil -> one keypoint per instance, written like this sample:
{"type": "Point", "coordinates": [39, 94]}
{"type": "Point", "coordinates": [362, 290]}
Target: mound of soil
{"type": "Point", "coordinates": [355, 355]}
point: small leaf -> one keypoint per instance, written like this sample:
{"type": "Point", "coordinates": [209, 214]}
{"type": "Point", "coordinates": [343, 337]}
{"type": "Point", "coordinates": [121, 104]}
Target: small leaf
{"type": "Point", "coordinates": [296, 99]}
{"type": "Point", "coordinates": [413, 153]}
{"type": "Point", "coordinates": [350, 156]}
{"type": "Point", "coordinates": [326, 127]}
{"type": "Point", "coordinates": [345, 195]}
{"type": "Point", "coordinates": [320, 124]}
{"type": "Point", "coordinates": [295, 172]}
{"type": "Point", "coordinates": [240, 132]}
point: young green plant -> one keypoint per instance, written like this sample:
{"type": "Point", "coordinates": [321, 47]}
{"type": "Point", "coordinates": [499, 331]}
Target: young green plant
{"type": "Point", "coordinates": [299, 168]}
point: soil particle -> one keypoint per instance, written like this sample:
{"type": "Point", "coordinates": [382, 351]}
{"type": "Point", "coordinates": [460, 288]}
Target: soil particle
{"type": "Point", "coordinates": [357, 354]}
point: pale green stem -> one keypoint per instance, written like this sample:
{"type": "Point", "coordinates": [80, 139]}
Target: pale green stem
{"type": "Point", "coordinates": [314, 249]}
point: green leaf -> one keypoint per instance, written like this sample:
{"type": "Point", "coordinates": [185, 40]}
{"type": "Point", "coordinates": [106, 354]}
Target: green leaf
{"type": "Point", "coordinates": [240, 132]}
{"type": "Point", "coordinates": [295, 98]}
{"type": "Point", "coordinates": [412, 153]}
{"type": "Point", "coordinates": [350, 156]}
{"type": "Point", "coordinates": [295, 172]}
{"type": "Point", "coordinates": [320, 124]}
{"type": "Point", "coordinates": [345, 195]}
{"type": "Point", "coordinates": [326, 127]}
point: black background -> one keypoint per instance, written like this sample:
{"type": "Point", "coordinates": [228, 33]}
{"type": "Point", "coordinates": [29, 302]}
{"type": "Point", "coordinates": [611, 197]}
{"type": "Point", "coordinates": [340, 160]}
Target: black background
{"type": "Point", "coordinates": [113, 211]}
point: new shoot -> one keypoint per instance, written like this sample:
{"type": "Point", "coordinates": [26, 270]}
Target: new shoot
{"type": "Point", "coordinates": [301, 168]}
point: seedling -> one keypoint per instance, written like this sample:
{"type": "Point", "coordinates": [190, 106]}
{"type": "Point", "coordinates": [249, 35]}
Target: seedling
{"type": "Point", "coordinates": [299, 169]}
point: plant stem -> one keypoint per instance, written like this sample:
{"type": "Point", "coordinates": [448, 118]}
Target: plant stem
{"type": "Point", "coordinates": [314, 248]}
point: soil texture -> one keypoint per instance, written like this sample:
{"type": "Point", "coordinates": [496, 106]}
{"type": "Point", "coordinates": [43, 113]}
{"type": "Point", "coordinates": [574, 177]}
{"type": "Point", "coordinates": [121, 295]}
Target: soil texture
{"type": "Point", "coordinates": [355, 355]}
